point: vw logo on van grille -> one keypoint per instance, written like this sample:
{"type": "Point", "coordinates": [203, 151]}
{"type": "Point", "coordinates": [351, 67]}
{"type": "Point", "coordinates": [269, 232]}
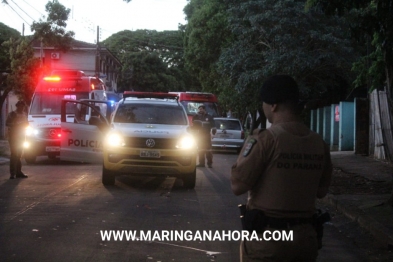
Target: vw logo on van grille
{"type": "Point", "coordinates": [52, 132]}
{"type": "Point", "coordinates": [150, 142]}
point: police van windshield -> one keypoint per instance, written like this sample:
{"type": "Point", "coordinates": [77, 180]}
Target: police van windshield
{"type": "Point", "coordinates": [192, 107]}
{"type": "Point", "coordinates": [50, 103]}
{"type": "Point", "coordinates": [150, 114]}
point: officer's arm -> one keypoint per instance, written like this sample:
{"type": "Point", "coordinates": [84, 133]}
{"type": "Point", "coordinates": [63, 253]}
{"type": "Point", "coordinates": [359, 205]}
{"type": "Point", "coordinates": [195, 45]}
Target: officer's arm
{"type": "Point", "coordinates": [250, 164]}
{"type": "Point", "coordinates": [238, 187]}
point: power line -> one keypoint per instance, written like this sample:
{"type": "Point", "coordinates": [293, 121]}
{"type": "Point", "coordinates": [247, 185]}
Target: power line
{"type": "Point", "coordinates": [16, 12]}
{"type": "Point", "coordinates": [33, 8]}
{"type": "Point", "coordinates": [22, 10]}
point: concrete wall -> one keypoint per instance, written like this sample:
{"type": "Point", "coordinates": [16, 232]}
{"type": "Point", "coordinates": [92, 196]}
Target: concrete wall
{"type": "Point", "coordinates": [334, 124]}
{"type": "Point", "coordinates": [326, 124]}
{"type": "Point", "coordinates": [346, 130]}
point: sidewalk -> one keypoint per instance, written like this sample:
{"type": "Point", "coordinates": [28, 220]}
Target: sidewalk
{"type": "Point", "coordinates": [368, 209]}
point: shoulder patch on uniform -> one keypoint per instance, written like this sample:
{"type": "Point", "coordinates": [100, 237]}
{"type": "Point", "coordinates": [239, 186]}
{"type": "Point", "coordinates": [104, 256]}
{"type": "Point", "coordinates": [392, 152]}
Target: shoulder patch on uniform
{"type": "Point", "coordinates": [250, 143]}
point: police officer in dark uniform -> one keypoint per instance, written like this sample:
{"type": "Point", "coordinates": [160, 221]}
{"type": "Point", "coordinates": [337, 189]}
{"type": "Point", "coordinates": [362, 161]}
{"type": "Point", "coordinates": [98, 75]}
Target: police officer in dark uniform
{"type": "Point", "coordinates": [16, 123]}
{"type": "Point", "coordinates": [204, 136]}
{"type": "Point", "coordinates": [284, 168]}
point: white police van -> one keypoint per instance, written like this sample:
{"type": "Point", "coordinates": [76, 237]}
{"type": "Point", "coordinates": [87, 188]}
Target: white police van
{"type": "Point", "coordinates": [43, 135]}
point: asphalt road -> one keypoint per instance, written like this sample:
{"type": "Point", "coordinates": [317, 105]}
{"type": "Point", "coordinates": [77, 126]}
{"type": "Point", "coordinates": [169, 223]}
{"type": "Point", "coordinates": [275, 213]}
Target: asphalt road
{"type": "Point", "coordinates": [59, 212]}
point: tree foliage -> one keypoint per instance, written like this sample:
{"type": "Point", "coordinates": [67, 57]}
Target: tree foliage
{"type": "Point", "coordinates": [24, 68]}
{"type": "Point", "coordinates": [206, 36]}
{"type": "Point", "coordinates": [152, 61]}
{"type": "Point", "coordinates": [371, 23]}
{"type": "Point", "coordinates": [279, 37]}
{"type": "Point", "coordinates": [5, 34]}
{"type": "Point", "coordinates": [52, 31]}
{"type": "Point", "coordinates": [232, 46]}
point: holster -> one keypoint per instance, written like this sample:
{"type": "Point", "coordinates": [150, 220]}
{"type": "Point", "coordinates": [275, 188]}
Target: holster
{"type": "Point", "coordinates": [252, 220]}
{"type": "Point", "coordinates": [256, 220]}
{"type": "Point", "coordinates": [320, 218]}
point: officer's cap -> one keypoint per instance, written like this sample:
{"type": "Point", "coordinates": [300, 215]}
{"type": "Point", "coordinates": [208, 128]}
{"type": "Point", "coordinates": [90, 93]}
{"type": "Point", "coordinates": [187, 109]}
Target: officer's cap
{"type": "Point", "coordinates": [279, 88]}
{"type": "Point", "coordinates": [20, 103]}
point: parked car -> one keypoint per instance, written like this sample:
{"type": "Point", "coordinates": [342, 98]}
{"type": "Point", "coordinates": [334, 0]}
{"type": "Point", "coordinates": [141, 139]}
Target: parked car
{"type": "Point", "coordinates": [229, 135]}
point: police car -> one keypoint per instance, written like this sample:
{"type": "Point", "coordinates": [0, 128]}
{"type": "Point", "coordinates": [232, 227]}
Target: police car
{"type": "Point", "coordinates": [146, 134]}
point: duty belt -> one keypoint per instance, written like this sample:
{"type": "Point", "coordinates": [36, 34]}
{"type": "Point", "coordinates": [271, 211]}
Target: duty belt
{"type": "Point", "coordinates": [256, 220]}
{"type": "Point", "coordinates": [284, 223]}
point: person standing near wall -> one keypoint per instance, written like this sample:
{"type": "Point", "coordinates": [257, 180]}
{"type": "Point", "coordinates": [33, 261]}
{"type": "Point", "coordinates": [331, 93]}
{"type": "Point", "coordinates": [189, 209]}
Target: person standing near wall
{"type": "Point", "coordinates": [16, 122]}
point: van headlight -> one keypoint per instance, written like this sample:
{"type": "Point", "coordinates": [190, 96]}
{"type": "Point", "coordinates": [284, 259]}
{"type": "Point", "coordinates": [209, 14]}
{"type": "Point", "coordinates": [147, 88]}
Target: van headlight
{"type": "Point", "coordinates": [114, 139]}
{"type": "Point", "coordinates": [29, 131]}
{"type": "Point", "coordinates": [186, 142]}
{"type": "Point", "coordinates": [26, 144]}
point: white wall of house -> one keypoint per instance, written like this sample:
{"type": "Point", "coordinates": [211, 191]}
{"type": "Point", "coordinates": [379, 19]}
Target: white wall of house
{"type": "Point", "coordinates": [83, 60]}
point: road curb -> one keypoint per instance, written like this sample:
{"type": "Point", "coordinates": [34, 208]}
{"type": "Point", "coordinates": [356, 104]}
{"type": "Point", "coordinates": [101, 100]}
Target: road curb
{"type": "Point", "coordinates": [377, 230]}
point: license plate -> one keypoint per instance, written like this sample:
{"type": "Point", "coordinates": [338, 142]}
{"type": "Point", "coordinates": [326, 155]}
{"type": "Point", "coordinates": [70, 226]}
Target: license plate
{"type": "Point", "coordinates": [52, 149]}
{"type": "Point", "coordinates": [224, 136]}
{"type": "Point", "coordinates": [149, 153]}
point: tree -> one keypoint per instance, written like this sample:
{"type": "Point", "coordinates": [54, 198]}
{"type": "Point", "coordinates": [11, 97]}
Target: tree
{"type": "Point", "coordinates": [52, 31]}
{"type": "Point", "coordinates": [5, 34]}
{"type": "Point", "coordinates": [279, 37]}
{"type": "Point", "coordinates": [206, 36]}
{"type": "Point", "coordinates": [370, 23]}
{"type": "Point", "coordinates": [24, 69]}
{"type": "Point", "coordinates": [152, 61]}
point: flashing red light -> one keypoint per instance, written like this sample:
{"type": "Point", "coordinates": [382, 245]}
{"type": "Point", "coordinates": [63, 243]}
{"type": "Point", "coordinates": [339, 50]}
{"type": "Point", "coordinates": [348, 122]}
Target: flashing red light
{"type": "Point", "coordinates": [58, 135]}
{"type": "Point", "coordinates": [52, 78]}
{"type": "Point", "coordinates": [92, 87]}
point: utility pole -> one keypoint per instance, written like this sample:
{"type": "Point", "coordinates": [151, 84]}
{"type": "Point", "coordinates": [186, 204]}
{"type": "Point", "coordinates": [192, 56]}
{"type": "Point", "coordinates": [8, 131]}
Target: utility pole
{"type": "Point", "coordinates": [97, 73]}
{"type": "Point", "coordinates": [41, 53]}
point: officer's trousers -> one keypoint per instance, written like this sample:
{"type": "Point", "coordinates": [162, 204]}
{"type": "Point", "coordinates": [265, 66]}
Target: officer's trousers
{"type": "Point", "coordinates": [209, 156]}
{"type": "Point", "coordinates": [304, 246]}
{"type": "Point", "coordinates": [16, 150]}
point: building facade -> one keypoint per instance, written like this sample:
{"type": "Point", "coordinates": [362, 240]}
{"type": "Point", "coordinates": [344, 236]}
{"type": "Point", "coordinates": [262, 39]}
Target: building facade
{"type": "Point", "coordinates": [93, 60]}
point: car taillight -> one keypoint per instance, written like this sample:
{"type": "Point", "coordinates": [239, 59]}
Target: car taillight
{"type": "Point", "coordinates": [242, 135]}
